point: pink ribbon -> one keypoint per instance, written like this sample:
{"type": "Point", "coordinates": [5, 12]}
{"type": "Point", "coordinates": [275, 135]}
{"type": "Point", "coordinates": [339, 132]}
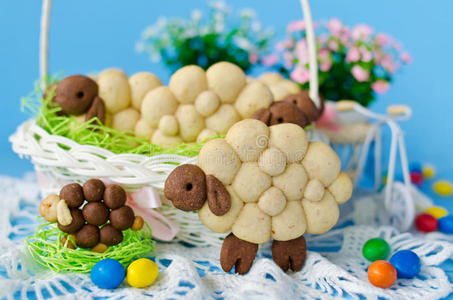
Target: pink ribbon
{"type": "Point", "coordinates": [143, 202]}
{"type": "Point", "coordinates": [328, 118]}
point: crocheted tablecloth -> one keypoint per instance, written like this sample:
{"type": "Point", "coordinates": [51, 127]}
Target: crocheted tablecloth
{"type": "Point", "coordinates": [335, 267]}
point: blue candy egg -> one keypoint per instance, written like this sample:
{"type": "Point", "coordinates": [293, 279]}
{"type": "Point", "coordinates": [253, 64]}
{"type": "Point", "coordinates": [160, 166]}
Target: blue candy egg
{"type": "Point", "coordinates": [406, 263]}
{"type": "Point", "coordinates": [108, 273]}
{"type": "Point", "coordinates": [445, 224]}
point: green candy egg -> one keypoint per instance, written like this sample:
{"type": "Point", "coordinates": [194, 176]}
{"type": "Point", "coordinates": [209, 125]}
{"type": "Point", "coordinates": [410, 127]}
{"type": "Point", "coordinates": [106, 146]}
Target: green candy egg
{"type": "Point", "coordinates": [376, 249]}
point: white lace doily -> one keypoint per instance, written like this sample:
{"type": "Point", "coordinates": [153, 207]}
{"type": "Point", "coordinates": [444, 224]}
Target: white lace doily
{"type": "Point", "coordinates": [334, 268]}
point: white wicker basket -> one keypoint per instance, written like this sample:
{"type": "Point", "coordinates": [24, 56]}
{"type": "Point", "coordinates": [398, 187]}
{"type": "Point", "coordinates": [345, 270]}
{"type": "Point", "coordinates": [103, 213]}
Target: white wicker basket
{"type": "Point", "coordinates": [62, 160]}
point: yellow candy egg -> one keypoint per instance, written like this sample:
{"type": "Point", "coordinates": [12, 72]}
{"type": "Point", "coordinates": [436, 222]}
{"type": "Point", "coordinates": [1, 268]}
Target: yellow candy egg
{"type": "Point", "coordinates": [443, 188]}
{"type": "Point", "coordinates": [436, 211]}
{"type": "Point", "coordinates": [141, 273]}
{"type": "Point", "coordinates": [428, 171]}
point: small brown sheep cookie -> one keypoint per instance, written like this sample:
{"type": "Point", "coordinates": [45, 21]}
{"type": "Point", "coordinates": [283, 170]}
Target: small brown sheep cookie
{"type": "Point", "coordinates": [219, 199]}
{"type": "Point", "coordinates": [110, 236]}
{"type": "Point", "coordinates": [75, 94]}
{"type": "Point", "coordinates": [305, 104]}
{"type": "Point", "coordinates": [186, 187]}
{"type": "Point", "coordinates": [77, 222]}
{"type": "Point", "coordinates": [122, 218]}
{"type": "Point", "coordinates": [88, 236]}
{"type": "Point", "coordinates": [73, 194]}
{"type": "Point", "coordinates": [114, 196]}
{"type": "Point", "coordinates": [93, 190]}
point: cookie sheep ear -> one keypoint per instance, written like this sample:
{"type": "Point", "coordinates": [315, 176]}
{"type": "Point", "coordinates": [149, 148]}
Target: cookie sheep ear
{"type": "Point", "coordinates": [186, 187]}
{"type": "Point", "coordinates": [219, 199]}
{"type": "Point", "coordinates": [263, 115]}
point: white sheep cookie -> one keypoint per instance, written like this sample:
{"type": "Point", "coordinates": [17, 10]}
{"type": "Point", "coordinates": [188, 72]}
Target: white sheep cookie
{"type": "Point", "coordinates": [114, 90]}
{"type": "Point", "coordinates": [259, 199]}
{"type": "Point", "coordinates": [205, 104]}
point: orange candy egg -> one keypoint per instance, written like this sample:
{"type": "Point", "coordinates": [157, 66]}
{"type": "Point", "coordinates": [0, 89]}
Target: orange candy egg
{"type": "Point", "coordinates": [381, 274]}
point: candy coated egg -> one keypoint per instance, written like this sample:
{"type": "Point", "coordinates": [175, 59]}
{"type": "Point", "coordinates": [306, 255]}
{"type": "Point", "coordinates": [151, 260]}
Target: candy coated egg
{"type": "Point", "coordinates": [446, 224]}
{"type": "Point", "coordinates": [107, 273]}
{"type": "Point", "coordinates": [376, 249]}
{"type": "Point", "coordinates": [406, 263]}
{"type": "Point", "coordinates": [443, 188]}
{"type": "Point", "coordinates": [382, 274]}
{"type": "Point", "coordinates": [436, 211]}
{"type": "Point", "coordinates": [428, 171]}
{"type": "Point", "coordinates": [415, 167]}
{"type": "Point", "coordinates": [416, 178]}
{"type": "Point", "coordinates": [142, 273]}
{"type": "Point", "coordinates": [425, 222]}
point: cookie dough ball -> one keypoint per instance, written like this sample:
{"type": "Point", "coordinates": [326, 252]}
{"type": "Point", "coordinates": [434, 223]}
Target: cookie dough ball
{"type": "Point", "coordinates": [222, 223]}
{"type": "Point", "coordinates": [140, 84]}
{"type": "Point", "coordinates": [206, 133]}
{"type": "Point", "coordinates": [114, 196]}
{"type": "Point", "coordinates": [73, 194]}
{"type": "Point", "coordinates": [292, 182]}
{"type": "Point", "coordinates": [125, 120]}
{"type": "Point", "coordinates": [341, 188]}
{"type": "Point", "coordinates": [165, 141]}
{"type": "Point", "coordinates": [93, 190]}
{"type": "Point", "coordinates": [314, 190]}
{"type": "Point", "coordinates": [77, 222]}
{"type": "Point", "coordinates": [87, 236]}
{"type": "Point", "coordinates": [223, 119]}
{"type": "Point", "coordinates": [143, 129]}
{"type": "Point", "coordinates": [95, 213]}
{"type": "Point", "coordinates": [226, 80]}
{"type": "Point", "coordinates": [122, 218]}
{"type": "Point", "coordinates": [168, 125]}
{"type": "Point", "coordinates": [290, 139]}
{"type": "Point", "coordinates": [219, 159]}
{"type": "Point", "coordinates": [321, 162]}
{"type": "Point", "coordinates": [250, 182]}
{"type": "Point", "coordinates": [191, 123]}
{"type": "Point", "coordinates": [272, 201]}
{"type": "Point", "coordinates": [291, 86]}
{"type": "Point", "coordinates": [255, 96]}
{"type": "Point", "coordinates": [248, 138]}
{"type": "Point", "coordinates": [187, 83]}
{"type": "Point", "coordinates": [110, 236]}
{"type": "Point", "coordinates": [272, 161]}
{"type": "Point", "coordinates": [278, 91]}
{"type": "Point", "coordinates": [270, 78]}
{"type": "Point", "coordinates": [290, 224]}
{"type": "Point", "coordinates": [114, 90]}
{"type": "Point", "coordinates": [207, 103]}
{"type": "Point", "coordinates": [252, 225]}
{"type": "Point", "coordinates": [157, 103]}
{"type": "Point", "coordinates": [321, 215]}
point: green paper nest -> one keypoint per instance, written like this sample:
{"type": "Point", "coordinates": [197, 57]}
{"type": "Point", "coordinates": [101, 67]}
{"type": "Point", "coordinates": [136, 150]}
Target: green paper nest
{"type": "Point", "coordinates": [46, 249]}
{"type": "Point", "coordinates": [94, 133]}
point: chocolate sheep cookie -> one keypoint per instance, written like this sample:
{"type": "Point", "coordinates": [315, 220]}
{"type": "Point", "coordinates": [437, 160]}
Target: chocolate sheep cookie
{"type": "Point", "coordinates": [93, 214]}
{"type": "Point", "coordinates": [263, 182]}
{"type": "Point", "coordinates": [78, 95]}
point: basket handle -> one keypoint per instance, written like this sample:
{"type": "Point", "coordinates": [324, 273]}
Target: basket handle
{"type": "Point", "coordinates": [313, 65]}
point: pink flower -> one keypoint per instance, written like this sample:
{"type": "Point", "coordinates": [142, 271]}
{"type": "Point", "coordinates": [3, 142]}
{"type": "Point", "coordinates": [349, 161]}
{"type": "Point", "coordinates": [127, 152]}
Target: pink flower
{"type": "Point", "coordinates": [288, 59]}
{"type": "Point", "coordinates": [300, 74]}
{"type": "Point", "coordinates": [383, 39]}
{"type": "Point", "coordinates": [301, 52]}
{"type": "Point", "coordinates": [366, 55]}
{"type": "Point", "coordinates": [361, 32]}
{"type": "Point", "coordinates": [380, 86]}
{"type": "Point", "coordinates": [323, 53]}
{"type": "Point", "coordinates": [353, 54]}
{"type": "Point", "coordinates": [253, 58]}
{"type": "Point", "coordinates": [406, 57]}
{"type": "Point", "coordinates": [280, 46]}
{"type": "Point", "coordinates": [360, 74]}
{"type": "Point", "coordinates": [333, 45]}
{"type": "Point", "coordinates": [335, 27]}
{"type": "Point", "coordinates": [270, 60]}
{"type": "Point", "coordinates": [296, 26]}
{"type": "Point", "coordinates": [388, 63]}
{"type": "Point", "coordinates": [325, 65]}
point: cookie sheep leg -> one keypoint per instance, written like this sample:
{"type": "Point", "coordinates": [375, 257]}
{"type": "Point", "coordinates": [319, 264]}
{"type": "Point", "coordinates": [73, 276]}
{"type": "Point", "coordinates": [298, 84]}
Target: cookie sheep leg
{"type": "Point", "coordinates": [238, 253]}
{"type": "Point", "coordinates": [290, 254]}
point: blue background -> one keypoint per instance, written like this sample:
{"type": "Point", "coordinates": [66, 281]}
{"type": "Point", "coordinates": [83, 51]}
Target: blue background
{"type": "Point", "coordinates": [89, 36]}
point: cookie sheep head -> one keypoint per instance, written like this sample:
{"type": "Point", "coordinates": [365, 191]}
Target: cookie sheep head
{"type": "Point", "coordinates": [262, 183]}
{"type": "Point", "coordinates": [78, 95]}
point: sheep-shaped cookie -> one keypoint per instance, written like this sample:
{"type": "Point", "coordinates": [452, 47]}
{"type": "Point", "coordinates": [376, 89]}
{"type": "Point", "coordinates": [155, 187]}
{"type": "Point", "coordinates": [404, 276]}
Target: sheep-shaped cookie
{"type": "Point", "coordinates": [262, 182]}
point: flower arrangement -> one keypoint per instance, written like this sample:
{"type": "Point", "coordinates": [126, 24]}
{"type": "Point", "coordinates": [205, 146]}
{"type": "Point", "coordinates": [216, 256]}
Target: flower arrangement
{"type": "Point", "coordinates": [354, 63]}
{"type": "Point", "coordinates": [205, 41]}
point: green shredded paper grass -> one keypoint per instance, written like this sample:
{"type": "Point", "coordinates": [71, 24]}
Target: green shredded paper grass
{"type": "Point", "coordinates": [94, 133]}
{"type": "Point", "coordinates": [46, 249]}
